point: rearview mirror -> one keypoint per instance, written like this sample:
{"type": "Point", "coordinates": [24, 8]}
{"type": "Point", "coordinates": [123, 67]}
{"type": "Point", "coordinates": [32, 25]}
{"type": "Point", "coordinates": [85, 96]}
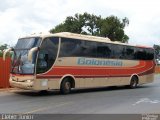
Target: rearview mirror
{"type": "Point", "coordinates": [5, 53]}
{"type": "Point", "coordinates": [30, 54]}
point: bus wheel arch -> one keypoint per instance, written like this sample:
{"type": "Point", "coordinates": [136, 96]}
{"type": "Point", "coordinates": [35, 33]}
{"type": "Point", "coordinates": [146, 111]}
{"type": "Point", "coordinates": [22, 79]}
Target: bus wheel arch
{"type": "Point", "coordinates": [134, 81]}
{"type": "Point", "coordinates": [67, 82]}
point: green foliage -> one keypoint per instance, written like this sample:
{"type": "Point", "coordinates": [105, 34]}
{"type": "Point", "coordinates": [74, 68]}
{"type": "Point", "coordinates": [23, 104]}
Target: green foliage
{"type": "Point", "coordinates": [111, 27]}
{"type": "Point", "coordinates": [2, 47]}
{"type": "Point", "coordinates": [1, 54]}
{"type": "Point", "coordinates": [157, 51]}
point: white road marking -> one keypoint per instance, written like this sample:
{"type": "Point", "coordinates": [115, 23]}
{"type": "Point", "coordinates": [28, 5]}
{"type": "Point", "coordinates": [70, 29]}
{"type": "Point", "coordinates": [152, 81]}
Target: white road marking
{"type": "Point", "coordinates": [146, 100]}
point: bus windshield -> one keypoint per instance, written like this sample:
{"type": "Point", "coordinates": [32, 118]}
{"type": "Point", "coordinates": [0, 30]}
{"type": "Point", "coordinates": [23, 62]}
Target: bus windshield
{"type": "Point", "coordinates": [20, 63]}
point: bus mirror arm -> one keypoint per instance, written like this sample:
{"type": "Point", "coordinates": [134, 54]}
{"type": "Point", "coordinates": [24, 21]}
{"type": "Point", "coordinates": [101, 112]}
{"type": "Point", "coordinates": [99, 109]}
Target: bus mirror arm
{"type": "Point", "coordinates": [30, 54]}
{"type": "Point", "coordinates": [5, 53]}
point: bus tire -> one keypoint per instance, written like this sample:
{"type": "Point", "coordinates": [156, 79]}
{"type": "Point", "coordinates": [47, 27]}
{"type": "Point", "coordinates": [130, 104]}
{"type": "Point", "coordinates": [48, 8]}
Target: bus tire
{"type": "Point", "coordinates": [133, 82]}
{"type": "Point", "coordinates": [65, 86]}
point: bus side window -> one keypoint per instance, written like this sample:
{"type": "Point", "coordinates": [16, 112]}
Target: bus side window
{"type": "Point", "coordinates": [103, 50]}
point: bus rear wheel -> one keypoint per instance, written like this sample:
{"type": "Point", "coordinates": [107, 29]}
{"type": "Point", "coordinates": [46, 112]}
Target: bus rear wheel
{"type": "Point", "coordinates": [65, 86]}
{"type": "Point", "coordinates": [133, 82]}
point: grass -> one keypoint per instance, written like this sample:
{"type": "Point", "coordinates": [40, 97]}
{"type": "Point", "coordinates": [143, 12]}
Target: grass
{"type": "Point", "coordinates": [1, 54]}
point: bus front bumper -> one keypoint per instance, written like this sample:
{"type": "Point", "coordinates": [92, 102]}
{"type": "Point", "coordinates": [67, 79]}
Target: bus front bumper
{"type": "Point", "coordinates": [23, 85]}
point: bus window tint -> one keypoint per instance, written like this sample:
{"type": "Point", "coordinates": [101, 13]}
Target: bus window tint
{"type": "Point", "coordinates": [117, 51]}
{"type": "Point", "coordinates": [77, 48]}
{"type": "Point", "coordinates": [140, 54]}
{"type": "Point", "coordinates": [70, 47]}
{"type": "Point", "coordinates": [103, 50]}
{"type": "Point", "coordinates": [129, 53]}
{"type": "Point", "coordinates": [90, 49]}
{"type": "Point", "coordinates": [150, 54]}
{"type": "Point", "coordinates": [144, 54]}
{"type": "Point", "coordinates": [47, 54]}
{"type": "Point", "coordinates": [84, 48]}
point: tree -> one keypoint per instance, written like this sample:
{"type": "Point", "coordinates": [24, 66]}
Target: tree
{"type": "Point", "coordinates": [157, 51]}
{"type": "Point", "coordinates": [111, 27]}
{"type": "Point", "coordinates": [92, 24]}
{"type": "Point", "coordinates": [2, 47]}
{"type": "Point", "coordinates": [71, 24]}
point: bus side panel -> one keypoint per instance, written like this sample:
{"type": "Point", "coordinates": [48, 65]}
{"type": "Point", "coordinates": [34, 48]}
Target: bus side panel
{"type": "Point", "coordinates": [102, 82]}
{"type": "Point", "coordinates": [96, 72]}
{"type": "Point", "coordinates": [46, 84]}
{"type": "Point", "coordinates": [146, 78]}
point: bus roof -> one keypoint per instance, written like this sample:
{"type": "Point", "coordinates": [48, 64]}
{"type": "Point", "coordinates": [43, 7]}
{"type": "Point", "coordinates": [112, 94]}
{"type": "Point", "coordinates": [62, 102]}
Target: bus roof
{"type": "Point", "coordinates": [71, 35]}
{"type": "Point", "coordinates": [82, 37]}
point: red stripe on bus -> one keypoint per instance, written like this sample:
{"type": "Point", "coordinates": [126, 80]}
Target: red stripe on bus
{"type": "Point", "coordinates": [90, 71]}
{"type": "Point", "coordinates": [83, 76]}
{"type": "Point", "coordinates": [90, 76]}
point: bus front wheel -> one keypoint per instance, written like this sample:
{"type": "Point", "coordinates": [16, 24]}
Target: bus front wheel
{"type": "Point", "coordinates": [133, 82]}
{"type": "Point", "coordinates": [65, 86]}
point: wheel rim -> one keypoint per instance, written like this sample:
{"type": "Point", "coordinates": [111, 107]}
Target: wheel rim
{"type": "Point", "coordinates": [134, 83]}
{"type": "Point", "coordinates": [67, 86]}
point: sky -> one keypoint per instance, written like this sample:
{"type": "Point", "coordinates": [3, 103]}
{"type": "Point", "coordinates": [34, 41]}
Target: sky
{"type": "Point", "coordinates": [23, 17]}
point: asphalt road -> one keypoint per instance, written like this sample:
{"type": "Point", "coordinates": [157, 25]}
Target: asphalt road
{"type": "Point", "coordinates": [116, 100]}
